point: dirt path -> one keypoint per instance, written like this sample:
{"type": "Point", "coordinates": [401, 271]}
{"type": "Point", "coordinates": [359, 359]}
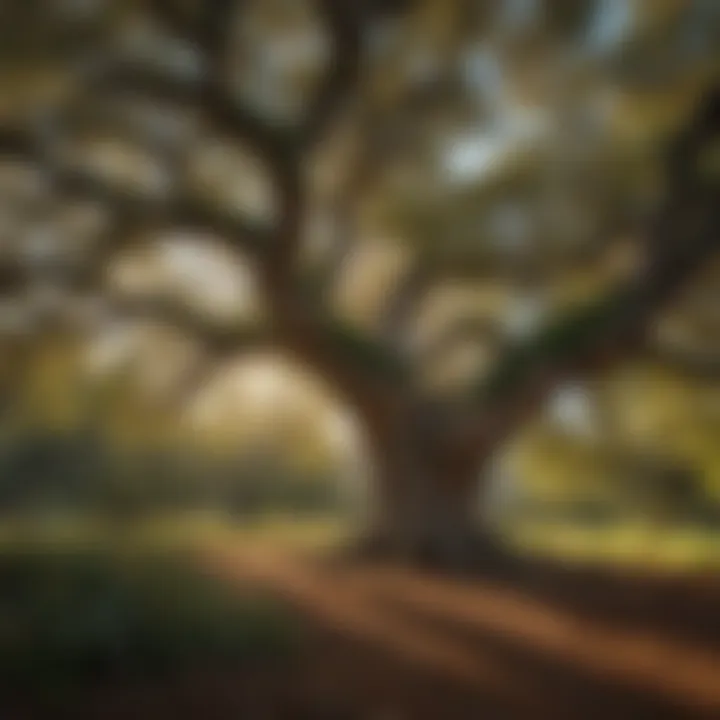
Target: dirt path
{"type": "Point", "coordinates": [421, 646]}
{"type": "Point", "coordinates": [393, 644]}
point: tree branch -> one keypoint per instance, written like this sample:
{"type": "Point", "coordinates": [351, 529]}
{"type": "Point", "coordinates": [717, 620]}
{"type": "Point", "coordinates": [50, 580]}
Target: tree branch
{"type": "Point", "coordinates": [364, 168]}
{"type": "Point", "coordinates": [132, 213]}
{"type": "Point", "coordinates": [343, 24]}
{"type": "Point", "coordinates": [403, 303]}
{"type": "Point", "coordinates": [600, 334]}
{"type": "Point", "coordinates": [221, 339]}
{"type": "Point", "coordinates": [313, 337]}
{"type": "Point", "coordinates": [280, 150]}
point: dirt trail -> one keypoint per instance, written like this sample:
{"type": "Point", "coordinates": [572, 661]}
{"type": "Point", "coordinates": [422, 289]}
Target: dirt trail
{"type": "Point", "coordinates": [493, 640]}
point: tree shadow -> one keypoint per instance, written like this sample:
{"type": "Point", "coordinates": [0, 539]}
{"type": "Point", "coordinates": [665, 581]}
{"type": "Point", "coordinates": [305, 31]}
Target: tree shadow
{"type": "Point", "coordinates": [559, 688]}
{"type": "Point", "coordinates": [681, 607]}
{"type": "Point", "coordinates": [597, 646]}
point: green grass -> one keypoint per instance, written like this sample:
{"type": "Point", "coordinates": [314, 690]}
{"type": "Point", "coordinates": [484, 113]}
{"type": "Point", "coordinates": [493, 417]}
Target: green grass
{"type": "Point", "coordinates": [626, 543]}
{"type": "Point", "coordinates": [174, 532]}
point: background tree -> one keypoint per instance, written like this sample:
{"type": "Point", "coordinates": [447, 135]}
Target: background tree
{"type": "Point", "coordinates": [520, 194]}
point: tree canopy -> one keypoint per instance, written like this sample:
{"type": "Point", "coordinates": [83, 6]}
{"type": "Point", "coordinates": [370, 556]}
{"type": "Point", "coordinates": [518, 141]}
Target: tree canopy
{"type": "Point", "coordinates": [444, 209]}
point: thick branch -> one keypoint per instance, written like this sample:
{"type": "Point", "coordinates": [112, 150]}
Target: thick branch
{"type": "Point", "coordinates": [281, 150]}
{"type": "Point", "coordinates": [366, 162]}
{"type": "Point", "coordinates": [596, 336]}
{"type": "Point", "coordinates": [403, 304]}
{"type": "Point", "coordinates": [310, 335]}
{"type": "Point", "coordinates": [132, 213]}
{"type": "Point", "coordinates": [343, 25]}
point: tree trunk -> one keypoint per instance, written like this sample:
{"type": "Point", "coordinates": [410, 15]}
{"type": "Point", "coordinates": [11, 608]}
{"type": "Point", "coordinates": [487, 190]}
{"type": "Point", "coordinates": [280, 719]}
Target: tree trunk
{"type": "Point", "coordinates": [427, 510]}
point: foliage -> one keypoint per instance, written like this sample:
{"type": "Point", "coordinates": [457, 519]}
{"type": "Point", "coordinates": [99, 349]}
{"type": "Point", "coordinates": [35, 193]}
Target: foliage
{"type": "Point", "coordinates": [510, 141]}
{"type": "Point", "coordinates": [358, 348]}
{"type": "Point", "coordinates": [569, 336]}
{"type": "Point", "coordinates": [73, 619]}
{"type": "Point", "coordinates": [79, 471]}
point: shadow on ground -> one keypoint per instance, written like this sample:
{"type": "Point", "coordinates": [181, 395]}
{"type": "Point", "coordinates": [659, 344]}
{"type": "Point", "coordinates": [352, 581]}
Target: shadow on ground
{"type": "Point", "coordinates": [531, 640]}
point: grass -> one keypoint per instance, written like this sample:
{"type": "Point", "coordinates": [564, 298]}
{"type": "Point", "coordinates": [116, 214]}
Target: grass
{"type": "Point", "coordinates": [627, 544]}
{"type": "Point", "coordinates": [175, 532]}
{"type": "Point", "coordinates": [628, 541]}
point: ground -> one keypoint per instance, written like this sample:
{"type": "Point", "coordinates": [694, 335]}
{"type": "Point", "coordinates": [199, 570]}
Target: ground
{"type": "Point", "coordinates": [387, 643]}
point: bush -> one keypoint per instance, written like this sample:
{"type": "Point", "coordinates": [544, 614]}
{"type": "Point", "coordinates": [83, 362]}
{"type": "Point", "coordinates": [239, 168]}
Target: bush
{"type": "Point", "coordinates": [76, 619]}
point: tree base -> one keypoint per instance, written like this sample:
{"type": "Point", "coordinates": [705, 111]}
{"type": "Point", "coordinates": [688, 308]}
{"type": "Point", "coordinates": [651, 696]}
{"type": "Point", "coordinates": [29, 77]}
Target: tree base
{"type": "Point", "coordinates": [472, 553]}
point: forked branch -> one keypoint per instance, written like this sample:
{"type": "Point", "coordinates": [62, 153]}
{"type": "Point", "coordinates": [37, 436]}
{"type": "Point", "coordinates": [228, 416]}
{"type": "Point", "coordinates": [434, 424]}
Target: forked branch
{"type": "Point", "coordinates": [685, 234]}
